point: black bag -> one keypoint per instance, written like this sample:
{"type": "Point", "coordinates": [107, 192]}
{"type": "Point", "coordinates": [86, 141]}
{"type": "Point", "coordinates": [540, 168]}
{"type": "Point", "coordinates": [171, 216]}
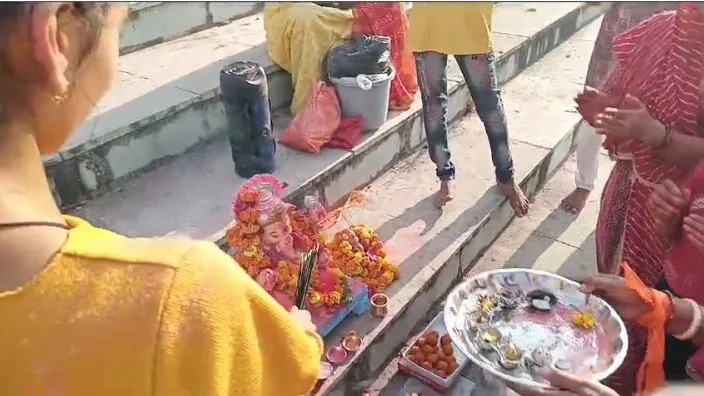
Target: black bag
{"type": "Point", "coordinates": [244, 94]}
{"type": "Point", "coordinates": [363, 55]}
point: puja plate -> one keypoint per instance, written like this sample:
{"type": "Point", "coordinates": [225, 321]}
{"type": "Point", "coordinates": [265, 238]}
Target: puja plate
{"type": "Point", "coordinates": [509, 321]}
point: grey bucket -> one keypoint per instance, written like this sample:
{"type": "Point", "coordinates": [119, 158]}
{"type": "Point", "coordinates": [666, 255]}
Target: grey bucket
{"type": "Point", "coordinates": [371, 105]}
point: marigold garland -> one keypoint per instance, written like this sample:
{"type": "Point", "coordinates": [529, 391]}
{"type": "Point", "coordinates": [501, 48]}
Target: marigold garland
{"type": "Point", "coordinates": [359, 253]}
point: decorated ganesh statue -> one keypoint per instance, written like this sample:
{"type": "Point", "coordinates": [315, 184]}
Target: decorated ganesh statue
{"type": "Point", "coordinates": [268, 239]}
{"type": "Point", "coordinates": [270, 235]}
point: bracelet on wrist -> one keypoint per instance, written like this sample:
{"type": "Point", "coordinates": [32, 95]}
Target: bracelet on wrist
{"type": "Point", "coordinates": [696, 323]}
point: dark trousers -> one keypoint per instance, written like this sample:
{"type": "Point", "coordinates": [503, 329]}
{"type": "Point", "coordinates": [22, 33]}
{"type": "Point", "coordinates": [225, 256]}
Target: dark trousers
{"type": "Point", "coordinates": [479, 73]}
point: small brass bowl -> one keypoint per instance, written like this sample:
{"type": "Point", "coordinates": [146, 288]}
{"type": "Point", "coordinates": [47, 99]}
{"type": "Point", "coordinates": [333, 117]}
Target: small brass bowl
{"type": "Point", "coordinates": [380, 305]}
{"type": "Point", "coordinates": [352, 342]}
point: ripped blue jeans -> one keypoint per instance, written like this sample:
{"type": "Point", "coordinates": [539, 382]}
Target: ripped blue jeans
{"type": "Point", "coordinates": [479, 73]}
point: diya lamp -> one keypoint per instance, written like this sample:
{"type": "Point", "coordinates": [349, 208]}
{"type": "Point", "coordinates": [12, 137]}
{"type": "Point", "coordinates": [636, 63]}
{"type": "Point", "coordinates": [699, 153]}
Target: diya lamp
{"type": "Point", "coordinates": [510, 357]}
{"type": "Point", "coordinates": [380, 305]}
{"type": "Point", "coordinates": [488, 338]}
{"type": "Point", "coordinates": [509, 297]}
{"type": "Point", "coordinates": [352, 342]}
{"type": "Point", "coordinates": [336, 355]}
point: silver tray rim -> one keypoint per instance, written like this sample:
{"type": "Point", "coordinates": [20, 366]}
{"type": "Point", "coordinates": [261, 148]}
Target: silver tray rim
{"type": "Point", "coordinates": [618, 359]}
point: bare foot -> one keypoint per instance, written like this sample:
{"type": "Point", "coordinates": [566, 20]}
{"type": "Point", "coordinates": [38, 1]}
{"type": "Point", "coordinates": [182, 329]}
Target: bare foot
{"type": "Point", "coordinates": [575, 202]}
{"type": "Point", "coordinates": [516, 198]}
{"type": "Point", "coordinates": [445, 194]}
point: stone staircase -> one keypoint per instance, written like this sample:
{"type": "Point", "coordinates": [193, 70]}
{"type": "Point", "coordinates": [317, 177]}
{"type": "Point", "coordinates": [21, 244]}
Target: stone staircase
{"type": "Point", "coordinates": [154, 160]}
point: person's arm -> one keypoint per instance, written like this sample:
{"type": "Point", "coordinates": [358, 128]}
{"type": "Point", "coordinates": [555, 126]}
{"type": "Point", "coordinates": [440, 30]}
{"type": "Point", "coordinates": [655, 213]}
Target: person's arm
{"type": "Point", "coordinates": [222, 334]}
{"type": "Point", "coordinates": [678, 148]}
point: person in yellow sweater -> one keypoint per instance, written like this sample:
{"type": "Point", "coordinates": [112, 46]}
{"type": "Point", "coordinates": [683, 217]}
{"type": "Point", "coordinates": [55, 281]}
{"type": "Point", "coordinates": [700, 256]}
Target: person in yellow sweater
{"type": "Point", "coordinates": [462, 29]}
{"type": "Point", "coordinates": [84, 311]}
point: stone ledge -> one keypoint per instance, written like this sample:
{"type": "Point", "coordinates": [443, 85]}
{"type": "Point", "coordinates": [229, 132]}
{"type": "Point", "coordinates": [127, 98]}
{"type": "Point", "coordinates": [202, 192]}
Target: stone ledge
{"type": "Point", "coordinates": [151, 23]}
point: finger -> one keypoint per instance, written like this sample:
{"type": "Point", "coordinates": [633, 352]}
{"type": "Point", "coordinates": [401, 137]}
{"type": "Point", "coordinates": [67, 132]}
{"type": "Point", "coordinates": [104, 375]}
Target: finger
{"type": "Point", "coordinates": [608, 122]}
{"type": "Point", "coordinates": [697, 241]}
{"type": "Point", "coordinates": [673, 194]}
{"type": "Point", "coordinates": [631, 102]}
{"type": "Point", "coordinates": [659, 202]}
{"type": "Point", "coordinates": [525, 390]}
{"type": "Point", "coordinates": [696, 223]}
{"type": "Point", "coordinates": [566, 381]}
{"type": "Point", "coordinates": [603, 282]}
{"type": "Point", "coordinates": [687, 194]}
{"type": "Point", "coordinates": [693, 235]}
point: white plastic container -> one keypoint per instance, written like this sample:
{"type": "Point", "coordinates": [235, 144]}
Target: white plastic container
{"type": "Point", "coordinates": [371, 104]}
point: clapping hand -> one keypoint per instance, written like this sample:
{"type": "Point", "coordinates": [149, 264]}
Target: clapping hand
{"type": "Point", "coordinates": [592, 102]}
{"type": "Point", "coordinates": [668, 204]}
{"type": "Point", "coordinates": [628, 120]}
{"type": "Point", "coordinates": [693, 228]}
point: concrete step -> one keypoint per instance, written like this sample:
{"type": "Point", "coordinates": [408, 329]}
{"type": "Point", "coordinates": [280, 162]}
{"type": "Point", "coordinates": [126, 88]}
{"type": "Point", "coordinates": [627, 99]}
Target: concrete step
{"type": "Point", "coordinates": [155, 22]}
{"type": "Point", "coordinates": [166, 100]}
{"type": "Point", "coordinates": [549, 240]}
{"type": "Point", "coordinates": [435, 249]}
{"type": "Point", "coordinates": [191, 195]}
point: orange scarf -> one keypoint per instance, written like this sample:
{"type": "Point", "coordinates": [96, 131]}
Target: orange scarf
{"type": "Point", "coordinates": [651, 375]}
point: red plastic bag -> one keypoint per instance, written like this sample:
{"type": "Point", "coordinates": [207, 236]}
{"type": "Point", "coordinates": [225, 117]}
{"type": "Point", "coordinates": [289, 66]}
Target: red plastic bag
{"type": "Point", "coordinates": [315, 124]}
{"type": "Point", "coordinates": [347, 134]}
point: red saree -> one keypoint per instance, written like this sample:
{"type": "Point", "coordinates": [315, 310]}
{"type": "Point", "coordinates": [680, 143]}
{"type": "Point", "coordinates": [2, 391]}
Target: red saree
{"type": "Point", "coordinates": [659, 61]}
{"type": "Point", "coordinates": [684, 263]}
{"type": "Point", "coordinates": [389, 19]}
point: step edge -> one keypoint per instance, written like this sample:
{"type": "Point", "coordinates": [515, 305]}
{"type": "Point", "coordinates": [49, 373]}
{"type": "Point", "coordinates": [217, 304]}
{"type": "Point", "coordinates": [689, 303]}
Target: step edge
{"type": "Point", "coordinates": [139, 8]}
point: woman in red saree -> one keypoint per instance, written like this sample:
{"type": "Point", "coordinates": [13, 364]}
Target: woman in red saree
{"type": "Point", "coordinates": [389, 19]}
{"type": "Point", "coordinates": [649, 110]}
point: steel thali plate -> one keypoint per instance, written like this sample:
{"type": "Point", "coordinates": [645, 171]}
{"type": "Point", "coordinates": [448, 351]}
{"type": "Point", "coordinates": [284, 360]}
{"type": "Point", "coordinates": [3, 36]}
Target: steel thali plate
{"type": "Point", "coordinates": [509, 321]}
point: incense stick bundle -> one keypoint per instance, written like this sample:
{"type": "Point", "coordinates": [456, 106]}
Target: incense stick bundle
{"type": "Point", "coordinates": [305, 276]}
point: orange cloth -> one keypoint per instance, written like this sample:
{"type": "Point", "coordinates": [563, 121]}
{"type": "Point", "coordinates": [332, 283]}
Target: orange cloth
{"type": "Point", "coordinates": [389, 19]}
{"type": "Point", "coordinates": [112, 315]}
{"type": "Point", "coordinates": [651, 376]}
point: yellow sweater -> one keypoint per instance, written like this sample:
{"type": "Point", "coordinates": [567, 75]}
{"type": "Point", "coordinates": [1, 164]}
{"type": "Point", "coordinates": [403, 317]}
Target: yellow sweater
{"type": "Point", "coordinates": [462, 28]}
{"type": "Point", "coordinates": [112, 315]}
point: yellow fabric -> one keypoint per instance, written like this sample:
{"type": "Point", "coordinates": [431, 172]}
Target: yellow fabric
{"type": "Point", "coordinates": [299, 36]}
{"type": "Point", "coordinates": [117, 316]}
{"type": "Point", "coordinates": [461, 28]}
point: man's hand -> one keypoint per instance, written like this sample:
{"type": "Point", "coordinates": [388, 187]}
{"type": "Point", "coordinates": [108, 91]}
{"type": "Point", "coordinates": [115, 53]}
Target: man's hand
{"type": "Point", "coordinates": [565, 384]}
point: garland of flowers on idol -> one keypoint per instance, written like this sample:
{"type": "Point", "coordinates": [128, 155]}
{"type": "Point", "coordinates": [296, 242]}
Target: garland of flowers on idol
{"type": "Point", "coordinates": [359, 252]}
{"type": "Point", "coordinates": [244, 238]}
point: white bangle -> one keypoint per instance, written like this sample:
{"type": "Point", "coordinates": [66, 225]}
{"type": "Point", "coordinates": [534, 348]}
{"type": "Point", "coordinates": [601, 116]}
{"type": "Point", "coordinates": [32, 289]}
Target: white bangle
{"type": "Point", "coordinates": [696, 321]}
